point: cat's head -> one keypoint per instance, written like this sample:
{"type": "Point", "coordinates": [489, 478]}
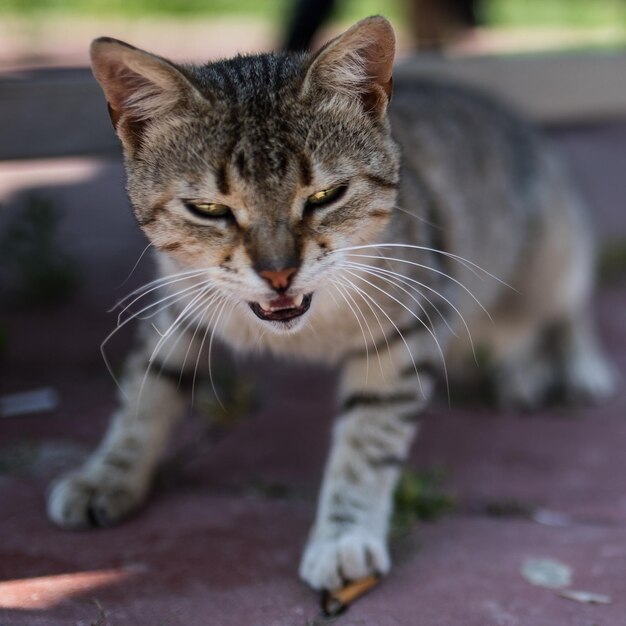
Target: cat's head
{"type": "Point", "coordinates": [259, 168]}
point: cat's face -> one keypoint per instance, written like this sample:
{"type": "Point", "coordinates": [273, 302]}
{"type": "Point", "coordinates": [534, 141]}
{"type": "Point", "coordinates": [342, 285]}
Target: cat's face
{"type": "Point", "coordinates": [259, 170]}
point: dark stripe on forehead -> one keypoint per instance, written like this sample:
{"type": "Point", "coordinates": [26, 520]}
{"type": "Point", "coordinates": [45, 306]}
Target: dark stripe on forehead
{"type": "Point", "coordinates": [242, 74]}
{"type": "Point", "coordinates": [226, 81]}
{"type": "Point", "coordinates": [221, 177]}
{"type": "Point", "coordinates": [265, 69]}
{"type": "Point", "coordinates": [305, 169]}
{"type": "Point", "coordinates": [240, 163]}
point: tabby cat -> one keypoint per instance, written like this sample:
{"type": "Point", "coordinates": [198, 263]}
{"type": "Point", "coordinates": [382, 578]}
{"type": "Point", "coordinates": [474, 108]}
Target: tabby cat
{"type": "Point", "coordinates": [294, 208]}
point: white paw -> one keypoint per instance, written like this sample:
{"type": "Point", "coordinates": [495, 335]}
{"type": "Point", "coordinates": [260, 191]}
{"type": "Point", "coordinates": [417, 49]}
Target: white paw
{"type": "Point", "coordinates": [78, 501]}
{"type": "Point", "coordinates": [589, 379]}
{"type": "Point", "coordinates": [328, 563]}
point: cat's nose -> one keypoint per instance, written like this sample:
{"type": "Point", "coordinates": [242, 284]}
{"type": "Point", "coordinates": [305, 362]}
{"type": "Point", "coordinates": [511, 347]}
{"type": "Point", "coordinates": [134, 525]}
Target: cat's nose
{"type": "Point", "coordinates": [279, 279]}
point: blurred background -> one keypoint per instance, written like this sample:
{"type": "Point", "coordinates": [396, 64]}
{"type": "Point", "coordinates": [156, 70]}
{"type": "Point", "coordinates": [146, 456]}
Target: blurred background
{"type": "Point", "coordinates": [560, 61]}
{"type": "Point", "coordinates": [56, 32]}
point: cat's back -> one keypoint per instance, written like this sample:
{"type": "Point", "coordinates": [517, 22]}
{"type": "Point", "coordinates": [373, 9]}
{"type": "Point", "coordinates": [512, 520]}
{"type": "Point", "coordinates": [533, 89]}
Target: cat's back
{"type": "Point", "coordinates": [485, 182]}
{"type": "Point", "coordinates": [463, 130]}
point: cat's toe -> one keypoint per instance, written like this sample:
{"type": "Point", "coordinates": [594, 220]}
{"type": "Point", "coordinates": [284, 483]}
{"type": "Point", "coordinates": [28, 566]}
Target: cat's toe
{"type": "Point", "coordinates": [328, 563]}
{"type": "Point", "coordinates": [76, 502]}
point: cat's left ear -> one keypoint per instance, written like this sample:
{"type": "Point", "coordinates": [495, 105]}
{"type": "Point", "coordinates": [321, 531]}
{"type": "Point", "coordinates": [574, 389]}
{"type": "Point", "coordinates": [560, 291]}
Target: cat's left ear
{"type": "Point", "coordinates": [358, 62]}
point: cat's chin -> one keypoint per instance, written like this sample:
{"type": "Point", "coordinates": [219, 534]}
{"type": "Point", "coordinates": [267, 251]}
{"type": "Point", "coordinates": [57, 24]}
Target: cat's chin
{"type": "Point", "coordinates": [284, 313]}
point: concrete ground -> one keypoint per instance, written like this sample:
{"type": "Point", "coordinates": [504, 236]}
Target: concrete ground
{"type": "Point", "coordinates": [220, 540]}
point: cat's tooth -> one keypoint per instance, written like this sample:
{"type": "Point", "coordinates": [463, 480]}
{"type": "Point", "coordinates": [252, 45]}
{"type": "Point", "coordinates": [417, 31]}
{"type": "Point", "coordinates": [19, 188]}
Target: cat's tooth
{"type": "Point", "coordinates": [297, 301]}
{"type": "Point", "coordinates": [265, 305]}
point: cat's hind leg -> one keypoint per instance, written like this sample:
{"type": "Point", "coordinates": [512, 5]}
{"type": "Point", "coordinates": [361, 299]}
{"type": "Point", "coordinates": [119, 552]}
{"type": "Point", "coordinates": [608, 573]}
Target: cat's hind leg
{"type": "Point", "coordinates": [114, 481]}
{"type": "Point", "coordinates": [522, 373]}
{"type": "Point", "coordinates": [536, 358]}
{"type": "Point", "coordinates": [544, 342]}
{"type": "Point", "coordinates": [561, 361]}
{"type": "Point", "coordinates": [584, 375]}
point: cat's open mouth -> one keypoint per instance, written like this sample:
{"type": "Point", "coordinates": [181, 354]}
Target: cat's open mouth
{"type": "Point", "coordinates": [283, 308]}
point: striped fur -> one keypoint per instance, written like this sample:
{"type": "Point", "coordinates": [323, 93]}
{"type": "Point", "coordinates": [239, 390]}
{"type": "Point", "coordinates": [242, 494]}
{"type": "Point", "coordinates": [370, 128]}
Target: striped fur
{"type": "Point", "coordinates": [439, 191]}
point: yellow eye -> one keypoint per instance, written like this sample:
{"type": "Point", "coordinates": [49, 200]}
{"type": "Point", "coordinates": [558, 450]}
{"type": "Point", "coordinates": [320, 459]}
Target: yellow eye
{"type": "Point", "coordinates": [325, 196]}
{"type": "Point", "coordinates": [208, 209]}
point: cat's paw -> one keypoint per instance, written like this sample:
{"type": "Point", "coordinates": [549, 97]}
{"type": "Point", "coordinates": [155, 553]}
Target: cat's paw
{"type": "Point", "coordinates": [523, 386]}
{"type": "Point", "coordinates": [588, 379]}
{"type": "Point", "coordinates": [328, 563]}
{"type": "Point", "coordinates": [77, 501]}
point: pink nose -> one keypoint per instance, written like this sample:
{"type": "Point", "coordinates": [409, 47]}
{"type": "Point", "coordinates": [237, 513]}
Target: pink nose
{"type": "Point", "coordinates": [279, 279]}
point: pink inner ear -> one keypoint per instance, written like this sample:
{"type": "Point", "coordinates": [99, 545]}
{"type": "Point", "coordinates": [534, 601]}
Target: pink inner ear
{"type": "Point", "coordinates": [371, 43]}
{"type": "Point", "coordinates": [379, 63]}
{"type": "Point", "coordinates": [377, 50]}
{"type": "Point", "coordinates": [136, 84]}
{"type": "Point", "coordinates": [125, 88]}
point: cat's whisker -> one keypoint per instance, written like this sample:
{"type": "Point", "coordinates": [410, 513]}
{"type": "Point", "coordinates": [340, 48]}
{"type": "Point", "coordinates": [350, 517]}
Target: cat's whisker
{"type": "Point", "coordinates": [184, 317]}
{"type": "Point", "coordinates": [410, 295]}
{"type": "Point", "coordinates": [382, 331]}
{"type": "Point", "coordinates": [432, 269]}
{"type": "Point", "coordinates": [259, 339]}
{"type": "Point", "coordinates": [430, 326]}
{"type": "Point", "coordinates": [178, 320]}
{"type": "Point", "coordinates": [417, 217]}
{"type": "Point", "coordinates": [314, 329]}
{"type": "Point", "coordinates": [344, 283]}
{"type": "Point", "coordinates": [365, 294]}
{"type": "Point", "coordinates": [172, 300]}
{"type": "Point", "coordinates": [417, 317]}
{"type": "Point", "coordinates": [465, 262]}
{"type": "Point", "coordinates": [217, 321]}
{"type": "Point", "coordinates": [396, 283]}
{"type": "Point", "coordinates": [115, 331]}
{"type": "Point", "coordinates": [207, 307]}
{"type": "Point", "coordinates": [188, 312]}
{"type": "Point", "coordinates": [208, 327]}
{"type": "Point", "coordinates": [155, 284]}
{"type": "Point", "coordinates": [158, 332]}
{"type": "Point", "coordinates": [198, 311]}
{"type": "Point", "coordinates": [159, 301]}
{"type": "Point", "coordinates": [384, 275]}
{"type": "Point", "coordinates": [407, 280]}
{"type": "Point", "coordinates": [164, 304]}
{"type": "Point", "coordinates": [132, 271]}
{"type": "Point", "coordinates": [367, 352]}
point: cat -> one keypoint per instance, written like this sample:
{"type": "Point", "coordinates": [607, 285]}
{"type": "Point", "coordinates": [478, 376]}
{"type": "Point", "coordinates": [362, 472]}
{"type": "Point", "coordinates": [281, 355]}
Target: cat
{"type": "Point", "coordinates": [295, 207]}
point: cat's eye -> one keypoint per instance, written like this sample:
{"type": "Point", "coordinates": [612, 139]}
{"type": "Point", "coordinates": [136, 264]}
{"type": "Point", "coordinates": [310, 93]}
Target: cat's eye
{"type": "Point", "coordinates": [325, 196]}
{"type": "Point", "coordinates": [208, 209]}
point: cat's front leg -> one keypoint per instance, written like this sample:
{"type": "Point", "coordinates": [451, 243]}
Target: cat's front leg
{"type": "Point", "coordinates": [115, 479]}
{"type": "Point", "coordinates": [376, 424]}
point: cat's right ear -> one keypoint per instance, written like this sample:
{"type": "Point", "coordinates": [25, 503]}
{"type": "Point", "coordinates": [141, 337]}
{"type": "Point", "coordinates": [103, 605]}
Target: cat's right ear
{"type": "Point", "coordinates": [358, 63]}
{"type": "Point", "coordinates": [138, 86]}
